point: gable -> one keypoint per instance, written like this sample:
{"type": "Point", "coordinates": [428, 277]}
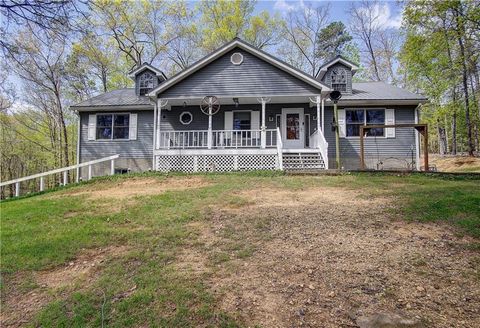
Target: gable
{"type": "Point", "coordinates": [327, 78]}
{"type": "Point", "coordinates": [254, 77]}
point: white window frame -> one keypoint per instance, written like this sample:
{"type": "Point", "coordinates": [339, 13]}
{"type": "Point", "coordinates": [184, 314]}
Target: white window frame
{"type": "Point", "coordinates": [365, 122]}
{"type": "Point", "coordinates": [113, 139]}
{"type": "Point", "coordinates": [338, 83]}
{"type": "Point", "coordinates": [184, 113]}
{"type": "Point", "coordinates": [140, 88]}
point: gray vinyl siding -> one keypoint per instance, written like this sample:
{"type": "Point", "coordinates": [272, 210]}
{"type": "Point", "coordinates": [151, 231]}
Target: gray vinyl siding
{"type": "Point", "coordinates": [140, 148]}
{"type": "Point", "coordinates": [392, 149]}
{"type": "Point", "coordinates": [253, 77]}
{"type": "Point", "coordinates": [327, 78]}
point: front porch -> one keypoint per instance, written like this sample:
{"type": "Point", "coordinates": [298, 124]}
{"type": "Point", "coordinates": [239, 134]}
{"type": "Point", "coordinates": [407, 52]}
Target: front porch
{"type": "Point", "coordinates": [248, 133]}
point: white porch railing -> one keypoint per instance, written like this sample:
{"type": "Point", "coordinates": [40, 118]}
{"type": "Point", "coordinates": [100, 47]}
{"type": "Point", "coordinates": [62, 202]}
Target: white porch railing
{"type": "Point", "coordinates": [317, 140]}
{"type": "Point", "coordinates": [63, 170]}
{"type": "Point", "coordinates": [220, 139]}
{"type": "Point", "coordinates": [280, 149]}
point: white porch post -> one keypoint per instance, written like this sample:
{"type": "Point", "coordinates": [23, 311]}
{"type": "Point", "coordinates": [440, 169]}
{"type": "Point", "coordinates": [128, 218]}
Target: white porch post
{"type": "Point", "coordinates": [263, 128]}
{"type": "Point", "coordinates": [319, 102]}
{"type": "Point", "coordinates": [161, 103]}
{"type": "Point", "coordinates": [209, 135]}
{"type": "Point", "coordinates": [323, 115]}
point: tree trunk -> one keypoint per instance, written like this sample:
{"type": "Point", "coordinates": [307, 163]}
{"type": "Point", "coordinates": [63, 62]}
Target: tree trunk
{"type": "Point", "coordinates": [468, 121]}
{"type": "Point", "coordinates": [442, 139]}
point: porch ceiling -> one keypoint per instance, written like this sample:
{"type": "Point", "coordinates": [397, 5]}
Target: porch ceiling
{"type": "Point", "coordinates": [228, 100]}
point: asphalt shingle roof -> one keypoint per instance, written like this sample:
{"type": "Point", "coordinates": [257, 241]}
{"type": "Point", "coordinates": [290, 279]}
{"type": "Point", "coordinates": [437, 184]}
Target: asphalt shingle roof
{"type": "Point", "coordinates": [119, 97]}
{"type": "Point", "coordinates": [361, 91]}
{"type": "Point", "coordinates": [380, 91]}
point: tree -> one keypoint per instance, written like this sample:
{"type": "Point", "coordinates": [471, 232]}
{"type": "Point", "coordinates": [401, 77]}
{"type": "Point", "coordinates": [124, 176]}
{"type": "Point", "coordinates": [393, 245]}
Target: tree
{"type": "Point", "coordinates": [302, 32]}
{"type": "Point", "coordinates": [221, 21]}
{"type": "Point", "coordinates": [332, 40]}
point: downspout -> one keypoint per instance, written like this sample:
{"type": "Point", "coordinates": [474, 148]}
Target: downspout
{"type": "Point", "coordinates": [77, 178]}
{"type": "Point", "coordinates": [417, 139]}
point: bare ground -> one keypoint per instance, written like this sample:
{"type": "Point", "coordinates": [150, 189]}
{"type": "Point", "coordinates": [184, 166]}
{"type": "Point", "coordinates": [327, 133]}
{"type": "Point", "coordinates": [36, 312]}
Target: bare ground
{"type": "Point", "coordinates": [457, 163]}
{"type": "Point", "coordinates": [19, 307]}
{"type": "Point", "coordinates": [325, 257]}
{"type": "Point", "coordinates": [136, 187]}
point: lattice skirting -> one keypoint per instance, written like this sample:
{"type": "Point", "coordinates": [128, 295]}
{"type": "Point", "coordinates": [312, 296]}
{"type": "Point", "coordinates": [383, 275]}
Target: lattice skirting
{"type": "Point", "coordinates": [216, 163]}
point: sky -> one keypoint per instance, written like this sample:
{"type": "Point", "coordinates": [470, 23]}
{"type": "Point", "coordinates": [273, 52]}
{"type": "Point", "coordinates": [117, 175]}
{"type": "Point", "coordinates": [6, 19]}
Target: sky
{"type": "Point", "coordinates": [390, 11]}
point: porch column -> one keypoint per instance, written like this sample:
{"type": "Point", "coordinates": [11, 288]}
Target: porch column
{"type": "Point", "coordinates": [161, 103]}
{"type": "Point", "coordinates": [209, 133]}
{"type": "Point", "coordinates": [263, 128]}
{"type": "Point", "coordinates": [323, 116]}
{"type": "Point", "coordinates": [319, 102]}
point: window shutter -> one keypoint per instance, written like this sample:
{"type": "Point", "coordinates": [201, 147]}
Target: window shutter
{"type": "Point", "coordinates": [342, 123]}
{"type": "Point", "coordinates": [255, 120]}
{"type": "Point", "coordinates": [228, 123]}
{"type": "Point", "coordinates": [390, 120]}
{"type": "Point", "coordinates": [132, 129]}
{"type": "Point", "coordinates": [92, 125]}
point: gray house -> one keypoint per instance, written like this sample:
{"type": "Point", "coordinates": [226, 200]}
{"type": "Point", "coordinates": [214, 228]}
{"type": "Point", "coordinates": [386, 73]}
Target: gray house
{"type": "Point", "coordinates": [270, 116]}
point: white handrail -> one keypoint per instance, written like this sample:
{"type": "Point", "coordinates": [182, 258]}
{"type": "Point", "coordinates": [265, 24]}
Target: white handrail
{"type": "Point", "coordinates": [280, 150]}
{"type": "Point", "coordinates": [318, 141]}
{"type": "Point", "coordinates": [60, 170]}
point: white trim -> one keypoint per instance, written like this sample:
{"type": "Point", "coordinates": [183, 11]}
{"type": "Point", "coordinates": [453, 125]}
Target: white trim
{"type": "Point", "coordinates": [144, 67]}
{"type": "Point", "coordinates": [294, 110]}
{"type": "Point", "coordinates": [378, 102]}
{"type": "Point", "coordinates": [227, 47]}
{"type": "Point", "coordinates": [239, 62]}
{"type": "Point", "coordinates": [117, 108]}
{"type": "Point", "coordinates": [184, 113]}
{"type": "Point", "coordinates": [324, 69]}
{"type": "Point", "coordinates": [79, 135]}
{"type": "Point", "coordinates": [113, 121]}
{"type": "Point", "coordinates": [216, 151]}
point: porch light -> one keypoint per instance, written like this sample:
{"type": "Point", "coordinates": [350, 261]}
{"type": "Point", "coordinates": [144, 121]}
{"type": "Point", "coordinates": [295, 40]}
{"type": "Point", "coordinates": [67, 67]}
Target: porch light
{"type": "Point", "coordinates": [184, 104]}
{"type": "Point", "coordinates": [235, 100]}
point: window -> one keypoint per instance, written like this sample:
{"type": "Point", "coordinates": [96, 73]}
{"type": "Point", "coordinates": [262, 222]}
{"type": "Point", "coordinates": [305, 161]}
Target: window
{"type": "Point", "coordinates": [339, 79]}
{"type": "Point", "coordinates": [186, 118]}
{"type": "Point", "coordinates": [242, 120]}
{"type": "Point", "coordinates": [145, 83]}
{"type": "Point", "coordinates": [357, 117]}
{"type": "Point", "coordinates": [113, 126]}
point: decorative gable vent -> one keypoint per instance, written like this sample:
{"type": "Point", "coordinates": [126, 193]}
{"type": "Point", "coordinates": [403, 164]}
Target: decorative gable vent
{"type": "Point", "coordinates": [236, 58]}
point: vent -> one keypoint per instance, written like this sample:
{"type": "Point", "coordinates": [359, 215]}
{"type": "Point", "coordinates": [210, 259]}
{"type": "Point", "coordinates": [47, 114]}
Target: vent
{"type": "Point", "coordinates": [237, 58]}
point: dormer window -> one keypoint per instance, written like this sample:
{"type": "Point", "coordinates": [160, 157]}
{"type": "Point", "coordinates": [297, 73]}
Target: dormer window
{"type": "Point", "coordinates": [339, 79]}
{"type": "Point", "coordinates": [146, 83]}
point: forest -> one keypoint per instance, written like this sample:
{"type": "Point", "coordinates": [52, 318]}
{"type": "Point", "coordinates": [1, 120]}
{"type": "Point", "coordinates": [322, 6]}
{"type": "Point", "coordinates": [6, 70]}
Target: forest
{"type": "Point", "coordinates": [58, 53]}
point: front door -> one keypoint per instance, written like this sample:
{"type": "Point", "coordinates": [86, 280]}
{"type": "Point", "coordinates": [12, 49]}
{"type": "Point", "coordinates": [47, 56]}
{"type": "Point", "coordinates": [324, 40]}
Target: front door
{"type": "Point", "coordinates": [293, 132]}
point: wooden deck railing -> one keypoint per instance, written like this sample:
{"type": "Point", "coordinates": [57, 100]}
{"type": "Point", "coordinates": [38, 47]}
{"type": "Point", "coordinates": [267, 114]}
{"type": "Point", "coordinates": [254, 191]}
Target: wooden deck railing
{"type": "Point", "coordinates": [63, 170]}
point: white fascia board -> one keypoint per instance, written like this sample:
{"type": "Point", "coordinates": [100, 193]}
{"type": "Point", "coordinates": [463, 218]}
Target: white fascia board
{"type": "Point", "coordinates": [225, 49]}
{"type": "Point", "coordinates": [378, 102]}
{"type": "Point", "coordinates": [147, 66]}
{"type": "Point", "coordinates": [324, 69]}
{"type": "Point", "coordinates": [110, 108]}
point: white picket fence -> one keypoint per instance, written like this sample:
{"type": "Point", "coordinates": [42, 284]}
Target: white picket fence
{"type": "Point", "coordinates": [63, 170]}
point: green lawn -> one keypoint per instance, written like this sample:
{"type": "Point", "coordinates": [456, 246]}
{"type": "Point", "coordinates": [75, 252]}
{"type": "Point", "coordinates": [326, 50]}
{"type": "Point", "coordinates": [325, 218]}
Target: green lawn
{"type": "Point", "coordinates": [49, 230]}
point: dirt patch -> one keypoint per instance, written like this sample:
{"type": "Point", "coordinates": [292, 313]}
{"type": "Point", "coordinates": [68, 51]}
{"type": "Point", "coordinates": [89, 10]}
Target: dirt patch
{"type": "Point", "coordinates": [327, 256]}
{"type": "Point", "coordinates": [18, 308]}
{"type": "Point", "coordinates": [139, 187]}
{"type": "Point", "coordinates": [455, 163]}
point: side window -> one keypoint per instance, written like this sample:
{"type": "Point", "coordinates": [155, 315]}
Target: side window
{"type": "Point", "coordinates": [339, 79]}
{"type": "Point", "coordinates": [358, 117]}
{"type": "Point", "coordinates": [113, 126]}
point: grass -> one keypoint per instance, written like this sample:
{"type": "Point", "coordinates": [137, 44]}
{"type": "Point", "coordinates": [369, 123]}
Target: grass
{"type": "Point", "coordinates": [44, 231]}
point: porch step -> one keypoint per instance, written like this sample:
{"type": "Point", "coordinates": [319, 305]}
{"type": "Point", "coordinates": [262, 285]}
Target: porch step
{"type": "Point", "coordinates": [302, 161]}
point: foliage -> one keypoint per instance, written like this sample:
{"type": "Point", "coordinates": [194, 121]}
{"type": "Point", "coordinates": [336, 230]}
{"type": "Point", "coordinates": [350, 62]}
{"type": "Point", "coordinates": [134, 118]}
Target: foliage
{"type": "Point", "coordinates": [333, 40]}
